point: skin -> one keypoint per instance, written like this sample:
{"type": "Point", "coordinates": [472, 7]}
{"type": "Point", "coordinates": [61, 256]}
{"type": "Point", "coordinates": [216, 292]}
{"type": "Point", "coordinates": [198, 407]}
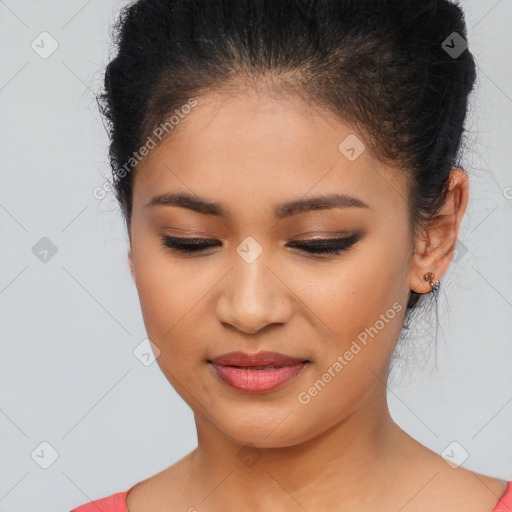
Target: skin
{"type": "Point", "coordinates": [341, 450]}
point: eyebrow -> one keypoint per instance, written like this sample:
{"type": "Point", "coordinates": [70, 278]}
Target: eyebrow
{"type": "Point", "coordinates": [283, 210]}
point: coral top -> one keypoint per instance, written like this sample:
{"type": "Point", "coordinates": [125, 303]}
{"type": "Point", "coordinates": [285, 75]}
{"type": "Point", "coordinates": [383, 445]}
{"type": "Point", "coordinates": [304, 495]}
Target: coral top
{"type": "Point", "coordinates": [117, 502]}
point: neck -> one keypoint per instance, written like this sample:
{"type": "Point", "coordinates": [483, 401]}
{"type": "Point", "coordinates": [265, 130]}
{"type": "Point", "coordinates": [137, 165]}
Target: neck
{"type": "Point", "coordinates": [342, 464]}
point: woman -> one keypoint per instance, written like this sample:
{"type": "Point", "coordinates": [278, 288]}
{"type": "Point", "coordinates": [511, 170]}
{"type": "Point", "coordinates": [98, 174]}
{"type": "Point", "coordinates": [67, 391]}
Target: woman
{"type": "Point", "coordinates": [288, 173]}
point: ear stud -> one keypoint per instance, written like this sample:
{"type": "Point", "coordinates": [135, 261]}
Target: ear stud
{"type": "Point", "coordinates": [430, 276]}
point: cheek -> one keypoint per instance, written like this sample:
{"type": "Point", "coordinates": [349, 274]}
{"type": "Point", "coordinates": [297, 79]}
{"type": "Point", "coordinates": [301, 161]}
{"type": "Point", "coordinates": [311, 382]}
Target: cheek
{"type": "Point", "coordinates": [359, 310]}
{"type": "Point", "coordinates": [353, 294]}
{"type": "Point", "coordinates": [360, 323]}
{"type": "Point", "coordinates": [171, 298]}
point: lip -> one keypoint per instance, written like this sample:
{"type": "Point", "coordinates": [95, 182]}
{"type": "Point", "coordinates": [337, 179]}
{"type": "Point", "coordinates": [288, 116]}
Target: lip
{"type": "Point", "coordinates": [259, 359]}
{"type": "Point", "coordinates": [257, 373]}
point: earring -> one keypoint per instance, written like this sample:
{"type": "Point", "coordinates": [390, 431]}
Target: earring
{"type": "Point", "coordinates": [430, 276]}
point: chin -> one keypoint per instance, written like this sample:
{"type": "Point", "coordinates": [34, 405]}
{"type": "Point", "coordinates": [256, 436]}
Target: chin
{"type": "Point", "coordinates": [249, 434]}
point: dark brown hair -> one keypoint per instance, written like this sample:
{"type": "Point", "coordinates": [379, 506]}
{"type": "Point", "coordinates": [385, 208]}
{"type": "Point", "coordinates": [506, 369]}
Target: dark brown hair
{"type": "Point", "coordinates": [381, 65]}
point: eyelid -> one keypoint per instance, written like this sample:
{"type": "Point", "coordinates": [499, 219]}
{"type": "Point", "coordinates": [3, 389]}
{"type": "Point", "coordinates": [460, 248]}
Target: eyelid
{"type": "Point", "coordinates": [324, 235]}
{"type": "Point", "coordinates": [302, 237]}
{"type": "Point", "coordinates": [312, 247]}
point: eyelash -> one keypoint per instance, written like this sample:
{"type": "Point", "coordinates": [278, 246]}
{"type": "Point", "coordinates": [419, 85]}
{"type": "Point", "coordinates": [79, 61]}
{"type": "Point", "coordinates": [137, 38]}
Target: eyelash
{"type": "Point", "coordinates": [333, 246]}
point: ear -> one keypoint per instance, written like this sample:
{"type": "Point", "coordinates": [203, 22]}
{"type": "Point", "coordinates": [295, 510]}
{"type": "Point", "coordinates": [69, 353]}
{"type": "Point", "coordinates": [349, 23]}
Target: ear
{"type": "Point", "coordinates": [130, 263]}
{"type": "Point", "coordinates": [434, 249]}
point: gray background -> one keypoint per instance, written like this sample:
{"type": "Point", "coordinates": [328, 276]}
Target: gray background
{"type": "Point", "coordinates": [69, 326]}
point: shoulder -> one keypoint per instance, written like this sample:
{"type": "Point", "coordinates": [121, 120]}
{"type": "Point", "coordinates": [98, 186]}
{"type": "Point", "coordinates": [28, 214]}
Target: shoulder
{"type": "Point", "coordinates": [113, 503]}
{"type": "Point", "coordinates": [449, 488]}
{"type": "Point", "coordinates": [474, 491]}
{"type": "Point", "coordinates": [505, 503]}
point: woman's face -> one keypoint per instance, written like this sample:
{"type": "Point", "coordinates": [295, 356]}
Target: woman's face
{"type": "Point", "coordinates": [254, 290]}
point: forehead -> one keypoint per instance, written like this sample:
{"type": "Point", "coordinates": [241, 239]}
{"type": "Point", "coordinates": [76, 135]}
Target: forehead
{"type": "Point", "coordinates": [252, 147]}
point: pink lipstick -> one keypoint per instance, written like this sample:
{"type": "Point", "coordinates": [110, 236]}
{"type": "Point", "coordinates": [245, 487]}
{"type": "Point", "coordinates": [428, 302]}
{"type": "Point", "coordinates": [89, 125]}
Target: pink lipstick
{"type": "Point", "coordinates": [257, 373]}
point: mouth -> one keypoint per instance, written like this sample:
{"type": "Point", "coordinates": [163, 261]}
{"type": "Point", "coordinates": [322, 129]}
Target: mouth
{"type": "Point", "coordinates": [257, 373]}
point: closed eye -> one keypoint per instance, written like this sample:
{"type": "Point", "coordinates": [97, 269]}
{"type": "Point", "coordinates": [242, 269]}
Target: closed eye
{"type": "Point", "coordinates": [326, 245]}
{"type": "Point", "coordinates": [318, 246]}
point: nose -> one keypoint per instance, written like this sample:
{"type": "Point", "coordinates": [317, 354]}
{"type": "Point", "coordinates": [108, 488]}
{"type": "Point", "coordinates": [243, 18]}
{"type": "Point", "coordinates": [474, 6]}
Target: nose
{"type": "Point", "coordinates": [254, 296]}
